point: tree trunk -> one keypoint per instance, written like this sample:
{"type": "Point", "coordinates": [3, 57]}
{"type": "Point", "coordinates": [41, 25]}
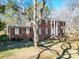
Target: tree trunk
{"type": "Point", "coordinates": [35, 24]}
{"type": "Point", "coordinates": [35, 35]}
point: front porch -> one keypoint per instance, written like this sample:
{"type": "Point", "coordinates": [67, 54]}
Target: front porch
{"type": "Point", "coordinates": [58, 28]}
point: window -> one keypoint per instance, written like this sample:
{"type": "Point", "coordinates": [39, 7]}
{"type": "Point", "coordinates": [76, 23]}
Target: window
{"type": "Point", "coordinates": [46, 22]}
{"type": "Point", "coordinates": [16, 30]}
{"type": "Point", "coordinates": [62, 23]}
{"type": "Point", "coordinates": [40, 31]}
{"type": "Point", "coordinates": [40, 21]}
{"type": "Point", "coordinates": [27, 30]}
{"type": "Point", "coordinates": [46, 31]}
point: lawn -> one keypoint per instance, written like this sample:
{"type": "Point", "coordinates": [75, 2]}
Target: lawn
{"type": "Point", "coordinates": [9, 48]}
{"type": "Point", "coordinates": [26, 50]}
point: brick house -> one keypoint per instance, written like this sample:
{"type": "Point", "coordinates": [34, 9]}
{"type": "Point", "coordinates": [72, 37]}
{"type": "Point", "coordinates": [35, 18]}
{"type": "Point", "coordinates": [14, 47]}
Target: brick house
{"type": "Point", "coordinates": [46, 28]}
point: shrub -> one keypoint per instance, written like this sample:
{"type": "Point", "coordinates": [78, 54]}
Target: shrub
{"type": "Point", "coordinates": [2, 25]}
{"type": "Point", "coordinates": [3, 37]}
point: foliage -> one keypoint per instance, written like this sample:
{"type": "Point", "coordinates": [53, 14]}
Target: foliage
{"type": "Point", "coordinates": [30, 13]}
{"type": "Point", "coordinates": [2, 9]}
{"type": "Point", "coordinates": [3, 37]}
{"type": "Point", "coordinates": [2, 25]}
{"type": "Point", "coordinates": [12, 5]}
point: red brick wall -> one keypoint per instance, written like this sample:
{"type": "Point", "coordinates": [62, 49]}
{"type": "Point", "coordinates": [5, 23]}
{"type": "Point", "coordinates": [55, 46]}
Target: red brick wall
{"type": "Point", "coordinates": [22, 31]}
{"type": "Point", "coordinates": [43, 27]}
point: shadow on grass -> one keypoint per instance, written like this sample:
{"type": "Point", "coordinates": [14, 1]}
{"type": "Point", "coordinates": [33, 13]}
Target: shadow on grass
{"type": "Point", "coordinates": [60, 56]}
{"type": "Point", "coordinates": [64, 49]}
{"type": "Point", "coordinates": [9, 45]}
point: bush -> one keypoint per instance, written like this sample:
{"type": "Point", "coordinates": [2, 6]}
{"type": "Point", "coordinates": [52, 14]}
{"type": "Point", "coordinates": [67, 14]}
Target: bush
{"type": "Point", "coordinates": [3, 37]}
{"type": "Point", "coordinates": [2, 25]}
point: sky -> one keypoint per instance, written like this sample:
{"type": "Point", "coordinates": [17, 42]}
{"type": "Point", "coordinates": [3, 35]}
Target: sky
{"type": "Point", "coordinates": [50, 3]}
{"type": "Point", "coordinates": [57, 4]}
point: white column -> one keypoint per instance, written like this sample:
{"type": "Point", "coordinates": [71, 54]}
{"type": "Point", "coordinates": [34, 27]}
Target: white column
{"type": "Point", "coordinates": [51, 26]}
{"type": "Point", "coordinates": [57, 28]}
{"type": "Point", "coordinates": [54, 28]}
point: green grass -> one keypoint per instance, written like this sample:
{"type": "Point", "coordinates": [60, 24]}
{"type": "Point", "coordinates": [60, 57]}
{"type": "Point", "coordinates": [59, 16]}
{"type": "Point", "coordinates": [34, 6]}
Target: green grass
{"type": "Point", "coordinates": [5, 54]}
{"type": "Point", "coordinates": [12, 48]}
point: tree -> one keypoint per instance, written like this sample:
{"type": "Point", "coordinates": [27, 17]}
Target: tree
{"type": "Point", "coordinates": [2, 25]}
{"type": "Point", "coordinates": [71, 7]}
{"type": "Point", "coordinates": [32, 14]}
{"type": "Point", "coordinates": [67, 13]}
{"type": "Point", "coordinates": [2, 9]}
{"type": "Point", "coordinates": [72, 4]}
{"type": "Point", "coordinates": [36, 19]}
